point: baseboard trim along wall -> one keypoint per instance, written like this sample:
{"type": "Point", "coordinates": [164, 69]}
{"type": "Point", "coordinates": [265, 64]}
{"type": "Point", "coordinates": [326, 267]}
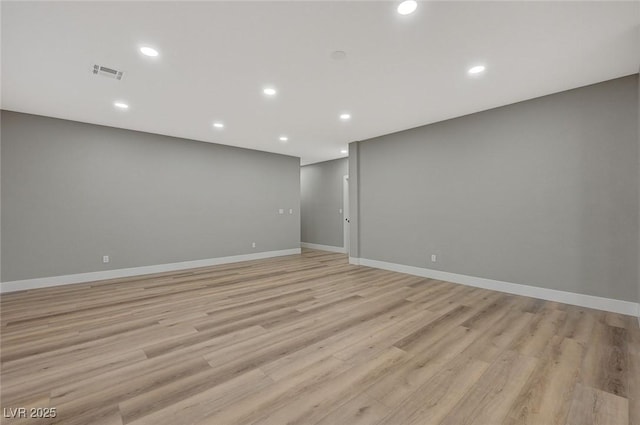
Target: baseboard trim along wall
{"type": "Point", "coordinates": [329, 248]}
{"type": "Point", "coordinates": [582, 300]}
{"type": "Point", "coordinates": [45, 282]}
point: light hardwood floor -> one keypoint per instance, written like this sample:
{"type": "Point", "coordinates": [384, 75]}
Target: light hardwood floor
{"type": "Point", "coordinates": [310, 339]}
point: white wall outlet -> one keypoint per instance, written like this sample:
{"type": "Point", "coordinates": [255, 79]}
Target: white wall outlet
{"type": "Point", "coordinates": [105, 259]}
{"type": "Point", "coordinates": [290, 210]}
{"type": "Point", "coordinates": [340, 211]}
{"type": "Point", "coordinates": [253, 244]}
{"type": "Point", "coordinates": [281, 211]}
{"type": "Point", "coordinates": [434, 258]}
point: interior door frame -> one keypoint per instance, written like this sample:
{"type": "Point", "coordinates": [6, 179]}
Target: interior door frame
{"type": "Point", "coordinates": [345, 214]}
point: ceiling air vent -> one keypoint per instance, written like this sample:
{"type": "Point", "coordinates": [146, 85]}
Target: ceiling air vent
{"type": "Point", "coordinates": [107, 72]}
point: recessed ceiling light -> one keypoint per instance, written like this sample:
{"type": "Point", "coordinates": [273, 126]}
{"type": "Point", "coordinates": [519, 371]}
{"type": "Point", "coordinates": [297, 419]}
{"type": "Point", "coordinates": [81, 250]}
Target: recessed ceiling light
{"type": "Point", "coordinates": [284, 138]}
{"type": "Point", "coordinates": [476, 69]}
{"type": "Point", "coordinates": [344, 151]}
{"type": "Point", "coordinates": [218, 125]}
{"type": "Point", "coordinates": [148, 51]}
{"type": "Point", "coordinates": [269, 91]}
{"type": "Point", "coordinates": [121, 105]}
{"type": "Point", "coordinates": [338, 55]}
{"type": "Point", "coordinates": [407, 7]}
{"type": "Point", "coordinates": [345, 117]}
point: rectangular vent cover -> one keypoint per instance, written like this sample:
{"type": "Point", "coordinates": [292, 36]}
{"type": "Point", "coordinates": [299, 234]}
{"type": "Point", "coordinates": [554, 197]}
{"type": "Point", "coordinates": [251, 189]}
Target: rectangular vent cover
{"type": "Point", "coordinates": [107, 72]}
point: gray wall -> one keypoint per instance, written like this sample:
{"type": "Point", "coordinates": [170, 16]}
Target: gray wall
{"type": "Point", "coordinates": [321, 186]}
{"type": "Point", "coordinates": [542, 192]}
{"type": "Point", "coordinates": [354, 199]}
{"type": "Point", "coordinates": [73, 192]}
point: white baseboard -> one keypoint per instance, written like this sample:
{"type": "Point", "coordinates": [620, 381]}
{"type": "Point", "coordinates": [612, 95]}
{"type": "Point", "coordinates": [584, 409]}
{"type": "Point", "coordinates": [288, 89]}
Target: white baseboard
{"type": "Point", "coordinates": [354, 261]}
{"type": "Point", "coordinates": [44, 282]}
{"type": "Point", "coordinates": [329, 248]}
{"type": "Point", "coordinates": [590, 301]}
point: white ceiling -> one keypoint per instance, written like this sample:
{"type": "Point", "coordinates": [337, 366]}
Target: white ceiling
{"type": "Point", "coordinates": [216, 57]}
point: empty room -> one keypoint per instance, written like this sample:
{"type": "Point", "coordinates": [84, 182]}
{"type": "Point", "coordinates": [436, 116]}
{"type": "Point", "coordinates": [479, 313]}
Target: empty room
{"type": "Point", "coordinates": [320, 212]}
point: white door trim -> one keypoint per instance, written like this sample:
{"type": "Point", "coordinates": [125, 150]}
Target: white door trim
{"type": "Point", "coordinates": [345, 213]}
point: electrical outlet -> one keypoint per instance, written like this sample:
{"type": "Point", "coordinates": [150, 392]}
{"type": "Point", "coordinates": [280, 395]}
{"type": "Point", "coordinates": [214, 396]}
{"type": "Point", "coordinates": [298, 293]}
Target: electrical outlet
{"type": "Point", "coordinates": [290, 210]}
{"type": "Point", "coordinates": [253, 244]}
{"type": "Point", "coordinates": [340, 211]}
{"type": "Point", "coordinates": [281, 211]}
{"type": "Point", "coordinates": [434, 258]}
{"type": "Point", "coordinates": [105, 259]}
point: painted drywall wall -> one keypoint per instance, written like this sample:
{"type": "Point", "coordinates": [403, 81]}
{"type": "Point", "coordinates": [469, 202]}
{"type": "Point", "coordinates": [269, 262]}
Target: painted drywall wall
{"type": "Point", "coordinates": [354, 200]}
{"type": "Point", "coordinates": [0, 197]}
{"type": "Point", "coordinates": [321, 199]}
{"type": "Point", "coordinates": [542, 193]}
{"type": "Point", "coordinates": [73, 192]}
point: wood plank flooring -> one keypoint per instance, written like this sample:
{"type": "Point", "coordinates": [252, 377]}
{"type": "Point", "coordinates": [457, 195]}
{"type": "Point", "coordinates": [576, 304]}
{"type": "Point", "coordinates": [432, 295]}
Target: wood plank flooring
{"type": "Point", "coordinates": [310, 339]}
